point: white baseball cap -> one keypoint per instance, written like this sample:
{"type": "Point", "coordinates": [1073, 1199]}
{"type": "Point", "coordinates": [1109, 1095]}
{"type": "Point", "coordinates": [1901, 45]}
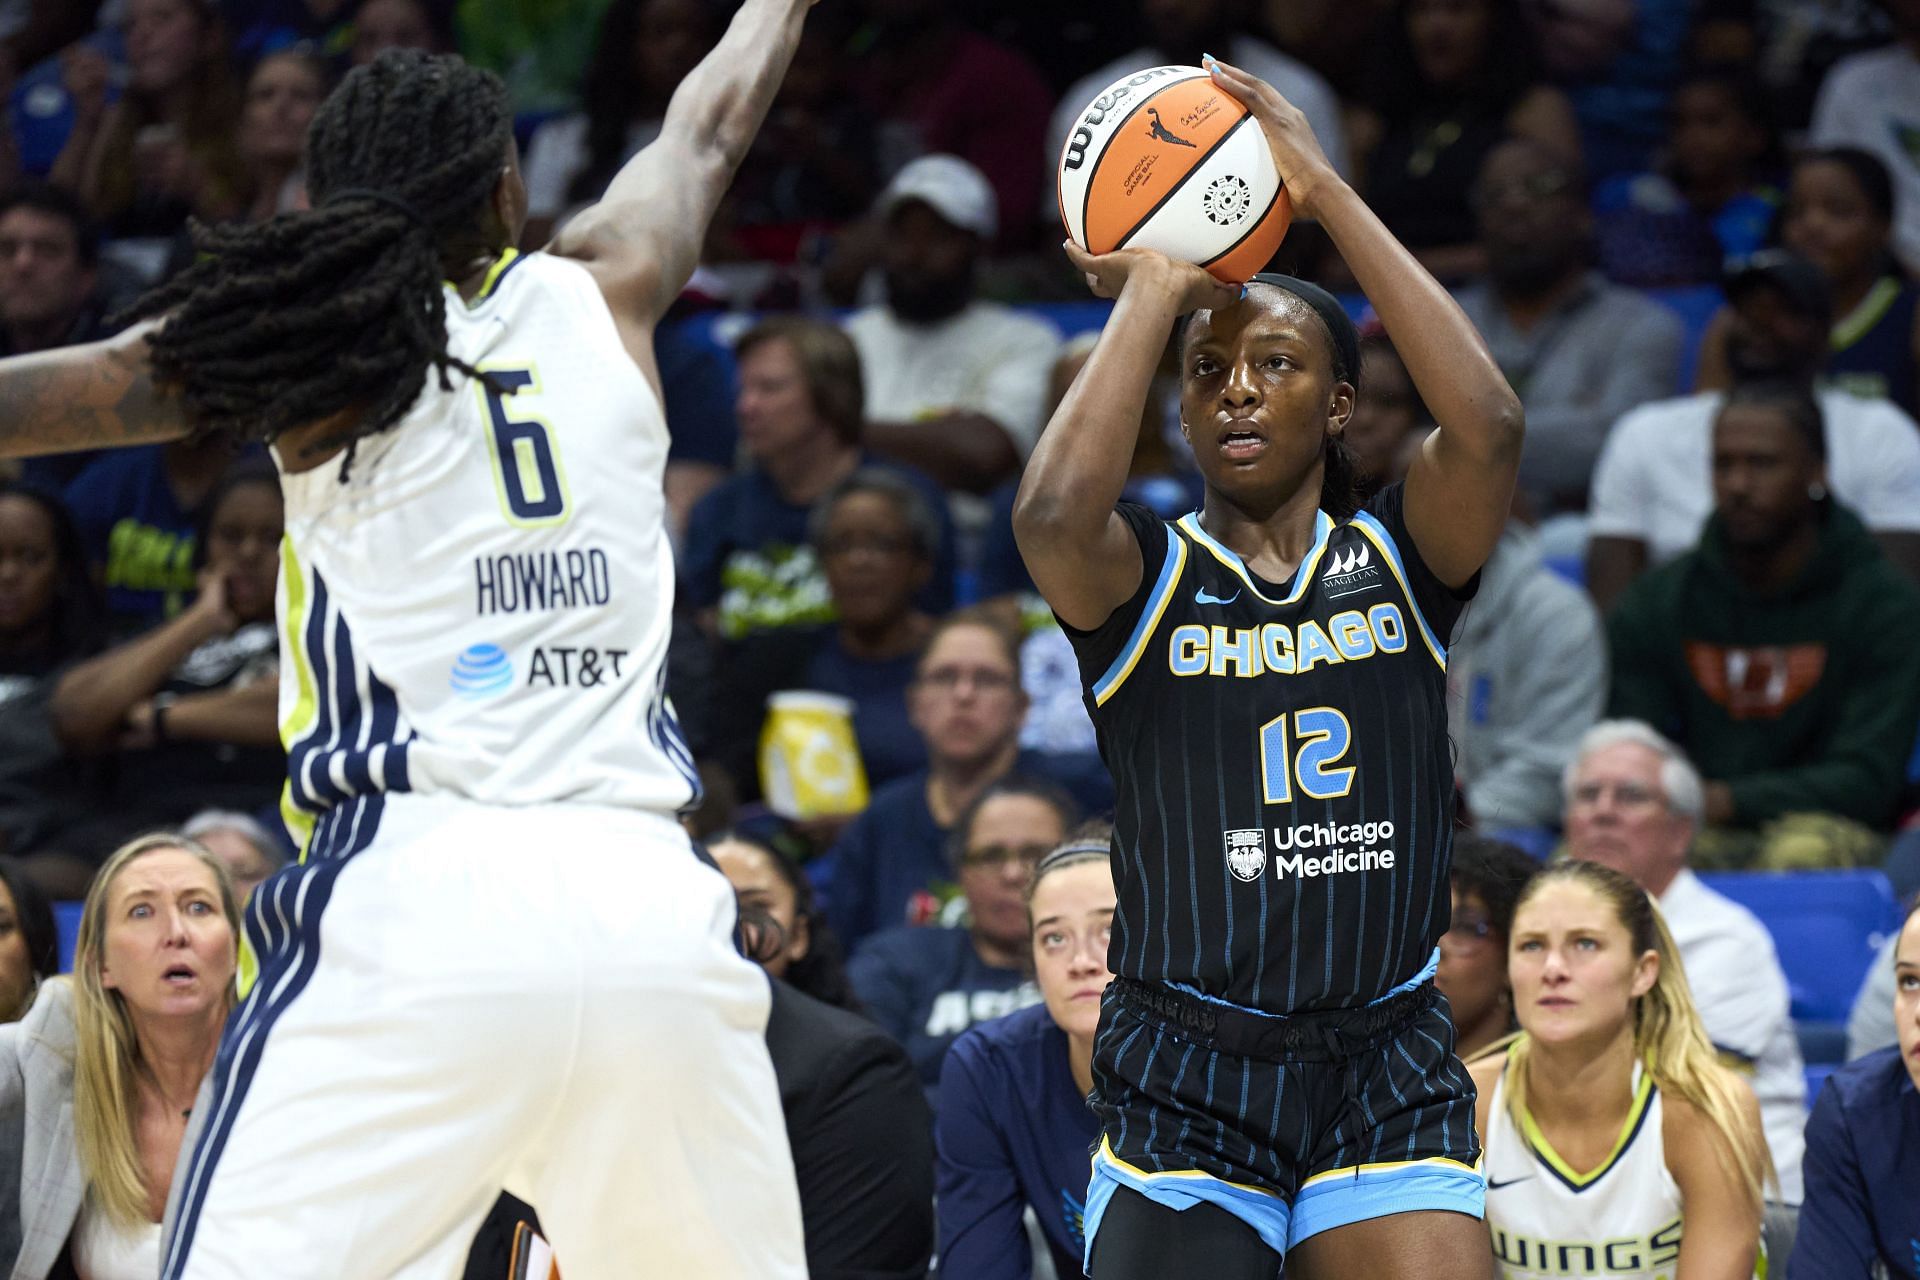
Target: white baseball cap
{"type": "Point", "coordinates": [953, 189]}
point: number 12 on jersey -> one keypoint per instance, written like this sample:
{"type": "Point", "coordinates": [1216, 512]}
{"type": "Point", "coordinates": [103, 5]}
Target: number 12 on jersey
{"type": "Point", "coordinates": [527, 472]}
{"type": "Point", "coordinates": [1319, 740]}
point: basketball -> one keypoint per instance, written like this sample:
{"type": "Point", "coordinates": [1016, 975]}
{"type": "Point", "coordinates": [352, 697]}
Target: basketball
{"type": "Point", "coordinates": [1165, 159]}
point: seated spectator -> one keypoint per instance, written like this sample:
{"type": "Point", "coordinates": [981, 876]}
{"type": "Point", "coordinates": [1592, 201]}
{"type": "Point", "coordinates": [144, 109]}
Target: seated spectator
{"type": "Point", "coordinates": [1179, 31]}
{"type": "Point", "coordinates": [1861, 1216]}
{"type": "Point", "coordinates": [1451, 80]}
{"type": "Point", "coordinates": [137, 510]}
{"type": "Point", "coordinates": [248, 851]}
{"type": "Point", "coordinates": [1618, 63]}
{"type": "Point", "coordinates": [641, 53]}
{"type": "Point", "coordinates": [29, 941]}
{"type": "Point", "coordinates": [1014, 1127]}
{"type": "Point", "coordinates": [1710, 199]}
{"type": "Point", "coordinates": [1579, 351]}
{"type": "Point", "coordinates": [50, 619]}
{"type": "Point", "coordinates": [697, 394]}
{"type": "Point", "coordinates": [747, 564]}
{"type": "Point", "coordinates": [1487, 879]}
{"type": "Point", "coordinates": [259, 29]}
{"type": "Point", "coordinates": [935, 86]}
{"type": "Point", "coordinates": [892, 866]}
{"type": "Point", "coordinates": [1634, 804]}
{"type": "Point", "coordinates": [954, 385]}
{"type": "Point", "coordinates": [49, 294]}
{"type": "Point", "coordinates": [192, 707]}
{"type": "Point", "coordinates": [926, 985]}
{"type": "Point", "coordinates": [1526, 676]}
{"type": "Point", "coordinates": [875, 536]}
{"type": "Point", "coordinates": [1840, 217]}
{"type": "Point", "coordinates": [380, 25]}
{"type": "Point", "coordinates": [1613, 1135]}
{"type": "Point", "coordinates": [1389, 417]}
{"type": "Point", "coordinates": [1776, 654]}
{"type": "Point", "coordinates": [813, 166]}
{"type": "Point", "coordinates": [793, 942]}
{"type": "Point", "coordinates": [1869, 100]}
{"type": "Point", "coordinates": [102, 1073]}
{"type": "Point", "coordinates": [858, 1126]}
{"type": "Point", "coordinates": [166, 148]}
{"type": "Point", "coordinates": [282, 95]}
{"type": "Point", "coordinates": [1652, 488]}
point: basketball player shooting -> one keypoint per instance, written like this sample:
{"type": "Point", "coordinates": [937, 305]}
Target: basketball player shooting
{"type": "Point", "coordinates": [499, 962]}
{"type": "Point", "coordinates": [1274, 1071]}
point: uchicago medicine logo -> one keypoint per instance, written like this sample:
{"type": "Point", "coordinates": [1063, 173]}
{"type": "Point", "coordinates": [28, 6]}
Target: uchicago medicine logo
{"type": "Point", "coordinates": [1309, 849]}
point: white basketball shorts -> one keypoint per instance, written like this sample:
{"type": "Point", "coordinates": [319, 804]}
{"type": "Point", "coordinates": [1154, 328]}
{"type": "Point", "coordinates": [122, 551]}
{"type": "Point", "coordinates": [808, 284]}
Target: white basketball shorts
{"type": "Point", "coordinates": [455, 998]}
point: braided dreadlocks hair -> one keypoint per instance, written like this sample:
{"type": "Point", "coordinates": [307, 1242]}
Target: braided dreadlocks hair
{"type": "Point", "coordinates": [286, 322]}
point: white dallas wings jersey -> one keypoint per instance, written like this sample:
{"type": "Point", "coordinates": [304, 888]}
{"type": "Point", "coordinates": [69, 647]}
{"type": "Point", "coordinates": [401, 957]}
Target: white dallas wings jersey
{"type": "Point", "coordinates": [482, 606]}
{"type": "Point", "coordinates": [1620, 1221]}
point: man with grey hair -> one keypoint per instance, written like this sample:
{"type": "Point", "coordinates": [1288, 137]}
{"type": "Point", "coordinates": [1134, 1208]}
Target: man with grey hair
{"type": "Point", "coordinates": [1634, 803]}
{"type": "Point", "coordinates": [244, 845]}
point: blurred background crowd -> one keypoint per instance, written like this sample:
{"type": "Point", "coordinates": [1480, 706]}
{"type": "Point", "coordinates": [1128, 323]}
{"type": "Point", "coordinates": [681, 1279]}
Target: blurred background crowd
{"type": "Point", "coordinates": [1687, 229]}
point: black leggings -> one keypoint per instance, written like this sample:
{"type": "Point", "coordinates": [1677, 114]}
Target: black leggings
{"type": "Point", "coordinates": [1140, 1240]}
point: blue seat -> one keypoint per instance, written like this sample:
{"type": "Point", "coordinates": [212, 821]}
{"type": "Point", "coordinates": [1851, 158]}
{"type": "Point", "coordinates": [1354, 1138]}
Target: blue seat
{"type": "Point", "coordinates": [1826, 925]}
{"type": "Point", "coordinates": [66, 922]}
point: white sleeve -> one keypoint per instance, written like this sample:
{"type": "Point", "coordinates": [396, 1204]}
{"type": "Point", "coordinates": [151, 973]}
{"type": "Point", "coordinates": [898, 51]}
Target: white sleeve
{"type": "Point", "coordinates": [1739, 989]}
{"type": "Point", "coordinates": [1014, 391]}
{"type": "Point", "coordinates": [1617, 505]}
{"type": "Point", "coordinates": [1833, 121]}
{"type": "Point", "coordinates": [1886, 492]}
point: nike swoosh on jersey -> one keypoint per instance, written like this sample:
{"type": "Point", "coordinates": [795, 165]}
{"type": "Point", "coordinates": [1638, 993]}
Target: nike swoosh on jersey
{"type": "Point", "coordinates": [1203, 596]}
{"type": "Point", "coordinates": [1495, 1185]}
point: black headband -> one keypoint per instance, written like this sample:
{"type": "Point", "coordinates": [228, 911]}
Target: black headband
{"type": "Point", "coordinates": [1073, 851]}
{"type": "Point", "coordinates": [411, 210]}
{"type": "Point", "coordinates": [1340, 326]}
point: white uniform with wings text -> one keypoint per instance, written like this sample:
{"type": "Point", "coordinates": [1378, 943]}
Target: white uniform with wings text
{"type": "Point", "coordinates": [500, 952]}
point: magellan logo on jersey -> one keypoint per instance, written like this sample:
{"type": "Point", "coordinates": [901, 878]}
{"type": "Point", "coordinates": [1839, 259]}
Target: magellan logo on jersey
{"type": "Point", "coordinates": [1246, 854]}
{"type": "Point", "coordinates": [1351, 571]}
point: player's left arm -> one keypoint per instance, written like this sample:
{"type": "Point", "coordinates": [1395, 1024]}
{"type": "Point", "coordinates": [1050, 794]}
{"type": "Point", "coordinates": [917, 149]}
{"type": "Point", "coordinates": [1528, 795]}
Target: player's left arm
{"type": "Point", "coordinates": [1723, 1218]}
{"type": "Point", "coordinates": [642, 240]}
{"type": "Point", "coordinates": [1459, 488]}
{"type": "Point", "coordinates": [95, 396]}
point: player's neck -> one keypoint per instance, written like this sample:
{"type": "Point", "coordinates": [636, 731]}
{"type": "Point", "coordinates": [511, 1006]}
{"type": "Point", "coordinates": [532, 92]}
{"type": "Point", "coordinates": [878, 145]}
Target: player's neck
{"type": "Point", "coordinates": [1572, 1087]}
{"type": "Point", "coordinates": [803, 475]}
{"type": "Point", "coordinates": [1271, 542]}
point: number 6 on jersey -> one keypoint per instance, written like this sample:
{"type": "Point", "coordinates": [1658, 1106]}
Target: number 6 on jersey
{"type": "Point", "coordinates": [527, 470]}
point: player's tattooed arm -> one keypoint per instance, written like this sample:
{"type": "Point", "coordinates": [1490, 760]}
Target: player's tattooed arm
{"type": "Point", "coordinates": [95, 396]}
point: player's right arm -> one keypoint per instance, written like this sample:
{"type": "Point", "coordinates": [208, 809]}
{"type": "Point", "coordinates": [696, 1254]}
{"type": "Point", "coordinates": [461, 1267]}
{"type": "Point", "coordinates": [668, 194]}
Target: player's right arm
{"type": "Point", "coordinates": [1081, 554]}
{"type": "Point", "coordinates": [94, 396]}
{"type": "Point", "coordinates": [642, 240]}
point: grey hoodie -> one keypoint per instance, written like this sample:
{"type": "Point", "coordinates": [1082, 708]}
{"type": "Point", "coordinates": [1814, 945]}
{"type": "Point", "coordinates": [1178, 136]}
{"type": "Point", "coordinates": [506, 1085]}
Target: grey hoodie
{"type": "Point", "coordinates": [1526, 676]}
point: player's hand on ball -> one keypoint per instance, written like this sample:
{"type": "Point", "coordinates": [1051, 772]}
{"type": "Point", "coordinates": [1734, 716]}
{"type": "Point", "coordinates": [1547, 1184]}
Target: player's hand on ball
{"type": "Point", "coordinates": [1107, 274]}
{"type": "Point", "coordinates": [1297, 155]}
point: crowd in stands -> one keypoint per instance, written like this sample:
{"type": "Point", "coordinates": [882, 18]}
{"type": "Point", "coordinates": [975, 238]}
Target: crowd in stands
{"type": "Point", "coordinates": [1690, 234]}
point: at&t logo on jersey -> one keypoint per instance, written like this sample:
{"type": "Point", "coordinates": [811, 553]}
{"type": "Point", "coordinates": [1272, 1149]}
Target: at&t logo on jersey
{"type": "Point", "coordinates": [482, 671]}
{"type": "Point", "coordinates": [1247, 853]}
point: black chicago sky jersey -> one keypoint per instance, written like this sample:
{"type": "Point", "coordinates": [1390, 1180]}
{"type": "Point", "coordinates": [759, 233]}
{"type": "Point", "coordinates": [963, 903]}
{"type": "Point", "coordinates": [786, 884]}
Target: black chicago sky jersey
{"type": "Point", "coordinates": [1283, 779]}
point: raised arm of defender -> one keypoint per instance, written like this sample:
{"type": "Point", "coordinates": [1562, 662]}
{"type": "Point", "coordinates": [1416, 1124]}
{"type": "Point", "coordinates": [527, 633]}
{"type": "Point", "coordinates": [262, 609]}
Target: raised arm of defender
{"type": "Point", "coordinates": [1460, 487]}
{"type": "Point", "coordinates": [643, 238]}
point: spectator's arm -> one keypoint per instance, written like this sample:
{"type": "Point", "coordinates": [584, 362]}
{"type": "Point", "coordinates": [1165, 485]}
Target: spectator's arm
{"type": "Point", "coordinates": [1858, 763]}
{"type": "Point", "coordinates": [878, 981]}
{"type": "Point", "coordinates": [1559, 690]}
{"type": "Point", "coordinates": [865, 1141]}
{"type": "Point", "coordinates": [982, 1233]}
{"type": "Point", "coordinates": [1710, 370]}
{"type": "Point", "coordinates": [244, 717]}
{"type": "Point", "coordinates": [1740, 992]}
{"type": "Point", "coordinates": [850, 893]}
{"type": "Point", "coordinates": [1870, 1023]}
{"type": "Point", "coordinates": [94, 396]}
{"type": "Point", "coordinates": [1612, 565]}
{"type": "Point", "coordinates": [967, 451]}
{"type": "Point", "coordinates": [92, 701]}
{"type": "Point", "coordinates": [1835, 1235]}
{"type": "Point", "coordinates": [1723, 1220]}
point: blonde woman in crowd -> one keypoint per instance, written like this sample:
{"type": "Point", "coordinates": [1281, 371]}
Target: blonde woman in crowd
{"type": "Point", "coordinates": [97, 1082]}
{"type": "Point", "coordinates": [1616, 1143]}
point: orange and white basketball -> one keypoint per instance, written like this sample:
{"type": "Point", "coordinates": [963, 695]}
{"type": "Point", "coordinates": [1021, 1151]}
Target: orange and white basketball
{"type": "Point", "coordinates": [1165, 159]}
